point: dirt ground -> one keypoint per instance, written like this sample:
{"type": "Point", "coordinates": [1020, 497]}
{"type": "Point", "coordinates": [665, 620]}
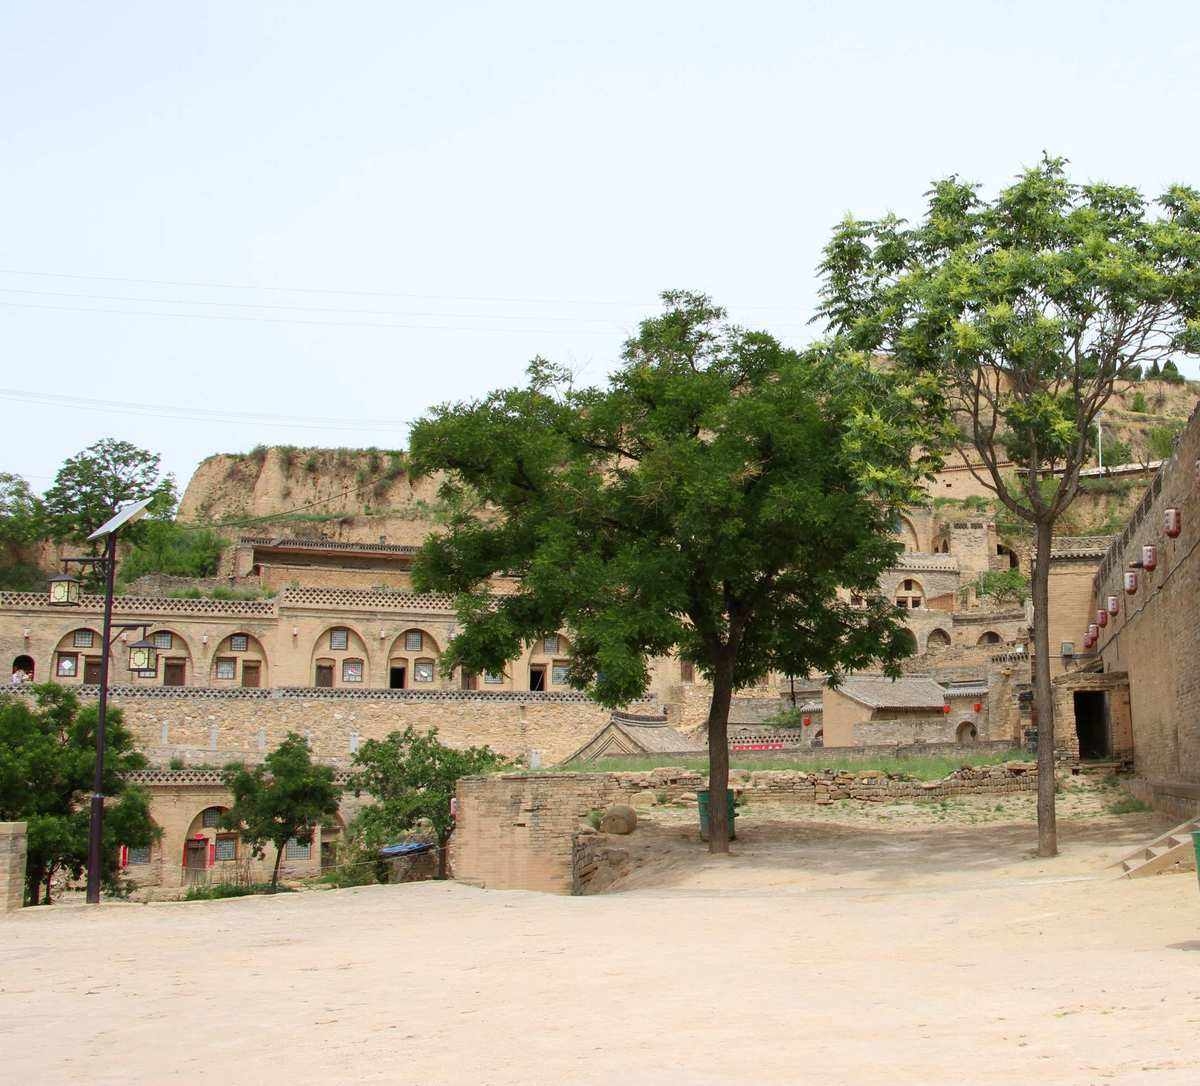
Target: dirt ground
{"type": "Point", "coordinates": [851, 946]}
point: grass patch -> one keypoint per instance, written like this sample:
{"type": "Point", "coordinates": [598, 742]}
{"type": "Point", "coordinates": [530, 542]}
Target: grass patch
{"type": "Point", "coordinates": [231, 889]}
{"type": "Point", "coordinates": [1127, 805]}
{"type": "Point", "coordinates": [921, 769]}
{"type": "Point", "coordinates": [221, 593]}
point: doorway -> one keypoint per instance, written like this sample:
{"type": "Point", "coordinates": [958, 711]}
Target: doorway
{"type": "Point", "coordinates": [23, 665]}
{"type": "Point", "coordinates": [397, 675]}
{"type": "Point", "coordinates": [252, 673]}
{"type": "Point", "coordinates": [1091, 724]}
{"type": "Point", "coordinates": [324, 674]}
{"type": "Point", "coordinates": [91, 670]}
{"type": "Point", "coordinates": [173, 673]}
{"type": "Point", "coordinates": [537, 677]}
{"type": "Point", "coordinates": [467, 680]}
{"type": "Point", "coordinates": [195, 858]}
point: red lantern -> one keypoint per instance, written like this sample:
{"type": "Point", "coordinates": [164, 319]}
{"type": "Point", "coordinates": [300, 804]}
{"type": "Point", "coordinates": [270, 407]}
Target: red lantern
{"type": "Point", "coordinates": [808, 721]}
{"type": "Point", "coordinates": [1130, 582]}
{"type": "Point", "coordinates": [1102, 618]}
{"type": "Point", "coordinates": [1094, 632]}
{"type": "Point", "coordinates": [1172, 521]}
{"type": "Point", "coordinates": [1114, 605]}
{"type": "Point", "coordinates": [1149, 557]}
{"type": "Point", "coordinates": [978, 706]}
{"type": "Point", "coordinates": [1088, 641]}
{"type": "Point", "coordinates": [945, 708]}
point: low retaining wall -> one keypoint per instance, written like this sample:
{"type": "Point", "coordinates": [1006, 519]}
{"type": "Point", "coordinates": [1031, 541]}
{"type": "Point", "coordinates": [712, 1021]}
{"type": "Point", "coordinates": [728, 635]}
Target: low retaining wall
{"type": "Point", "coordinates": [861, 753]}
{"type": "Point", "coordinates": [525, 831]}
{"type": "Point", "coordinates": [12, 866]}
{"type": "Point", "coordinates": [1179, 799]}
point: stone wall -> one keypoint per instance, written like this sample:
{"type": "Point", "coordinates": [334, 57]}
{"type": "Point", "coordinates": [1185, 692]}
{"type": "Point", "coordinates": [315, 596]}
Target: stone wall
{"type": "Point", "coordinates": [1155, 637]}
{"type": "Point", "coordinates": [212, 726]}
{"type": "Point", "coordinates": [12, 866]}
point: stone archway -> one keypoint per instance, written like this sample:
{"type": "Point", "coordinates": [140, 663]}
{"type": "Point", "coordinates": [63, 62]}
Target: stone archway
{"type": "Point", "coordinates": [937, 641]}
{"type": "Point", "coordinates": [23, 669]}
{"type": "Point", "coordinates": [989, 637]}
{"type": "Point", "coordinates": [966, 733]}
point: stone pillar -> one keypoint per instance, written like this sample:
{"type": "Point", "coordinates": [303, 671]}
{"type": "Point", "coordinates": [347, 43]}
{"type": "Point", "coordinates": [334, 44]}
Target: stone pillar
{"type": "Point", "coordinates": [12, 866]}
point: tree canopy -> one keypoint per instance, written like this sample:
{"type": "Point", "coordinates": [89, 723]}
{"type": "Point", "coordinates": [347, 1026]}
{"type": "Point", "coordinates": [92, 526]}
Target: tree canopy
{"type": "Point", "coordinates": [91, 485]}
{"type": "Point", "coordinates": [412, 776]}
{"type": "Point", "coordinates": [286, 798]}
{"type": "Point", "coordinates": [47, 759]}
{"type": "Point", "coordinates": [1027, 307]}
{"type": "Point", "coordinates": [719, 499]}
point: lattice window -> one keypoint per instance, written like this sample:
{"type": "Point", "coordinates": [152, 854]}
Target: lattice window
{"type": "Point", "coordinates": [68, 665]}
{"type": "Point", "coordinates": [139, 855]}
{"type": "Point", "coordinates": [339, 639]}
{"type": "Point", "coordinates": [294, 850]}
{"type": "Point", "coordinates": [550, 645]}
{"type": "Point", "coordinates": [161, 639]}
{"type": "Point", "coordinates": [423, 671]}
{"type": "Point", "coordinates": [226, 848]}
{"type": "Point", "coordinates": [83, 639]}
{"type": "Point", "coordinates": [226, 668]}
{"type": "Point", "coordinates": [352, 671]}
{"type": "Point", "coordinates": [413, 641]}
{"type": "Point", "coordinates": [211, 818]}
{"type": "Point", "coordinates": [239, 643]}
{"type": "Point", "coordinates": [558, 673]}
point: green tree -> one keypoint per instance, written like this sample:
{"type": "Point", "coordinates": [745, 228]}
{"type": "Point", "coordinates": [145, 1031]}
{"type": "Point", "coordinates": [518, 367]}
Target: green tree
{"type": "Point", "coordinates": [90, 486]}
{"type": "Point", "coordinates": [1160, 440]}
{"type": "Point", "coordinates": [1139, 402]}
{"type": "Point", "coordinates": [21, 526]}
{"type": "Point", "coordinates": [1028, 307]}
{"type": "Point", "coordinates": [167, 547]}
{"type": "Point", "coordinates": [412, 776]}
{"type": "Point", "coordinates": [286, 798]}
{"type": "Point", "coordinates": [1002, 585]}
{"type": "Point", "coordinates": [1154, 373]}
{"type": "Point", "coordinates": [47, 758]}
{"type": "Point", "coordinates": [1170, 372]}
{"type": "Point", "coordinates": [711, 501]}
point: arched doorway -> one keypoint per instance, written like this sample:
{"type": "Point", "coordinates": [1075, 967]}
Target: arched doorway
{"type": "Point", "coordinates": [209, 850]}
{"type": "Point", "coordinates": [339, 658]}
{"type": "Point", "coordinates": [239, 660]}
{"type": "Point", "coordinates": [413, 661]}
{"type": "Point", "coordinates": [937, 641]}
{"type": "Point", "coordinates": [910, 594]}
{"type": "Point", "coordinates": [989, 638]}
{"type": "Point", "coordinates": [22, 670]}
{"type": "Point", "coordinates": [966, 733]}
{"type": "Point", "coordinates": [550, 663]}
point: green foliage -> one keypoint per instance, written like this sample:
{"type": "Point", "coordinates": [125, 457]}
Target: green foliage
{"type": "Point", "coordinates": [90, 486]}
{"type": "Point", "coordinates": [1127, 805]}
{"type": "Point", "coordinates": [1115, 450]}
{"type": "Point", "coordinates": [47, 759]}
{"type": "Point", "coordinates": [217, 890]}
{"type": "Point", "coordinates": [311, 463]}
{"type": "Point", "coordinates": [1009, 585]}
{"type": "Point", "coordinates": [786, 718]}
{"type": "Point", "coordinates": [21, 514]}
{"type": "Point", "coordinates": [167, 547]}
{"type": "Point", "coordinates": [19, 576]}
{"type": "Point", "coordinates": [1139, 402]}
{"type": "Point", "coordinates": [1171, 374]}
{"type": "Point", "coordinates": [711, 499]}
{"type": "Point", "coordinates": [1154, 373]}
{"type": "Point", "coordinates": [412, 777]}
{"type": "Point", "coordinates": [976, 503]}
{"type": "Point", "coordinates": [594, 817]}
{"type": "Point", "coordinates": [286, 797]}
{"type": "Point", "coordinates": [220, 593]}
{"type": "Point", "coordinates": [1160, 440]}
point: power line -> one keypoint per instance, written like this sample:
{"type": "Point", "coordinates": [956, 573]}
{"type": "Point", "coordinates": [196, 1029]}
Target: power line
{"type": "Point", "coordinates": [213, 285]}
{"type": "Point", "coordinates": [297, 320]}
{"type": "Point", "coordinates": [199, 414]}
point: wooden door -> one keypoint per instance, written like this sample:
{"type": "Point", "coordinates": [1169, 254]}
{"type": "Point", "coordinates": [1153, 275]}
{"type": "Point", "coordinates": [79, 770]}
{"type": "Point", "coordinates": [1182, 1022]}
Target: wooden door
{"type": "Point", "coordinates": [252, 673]}
{"type": "Point", "coordinates": [324, 674]}
{"type": "Point", "coordinates": [91, 669]}
{"type": "Point", "coordinates": [173, 673]}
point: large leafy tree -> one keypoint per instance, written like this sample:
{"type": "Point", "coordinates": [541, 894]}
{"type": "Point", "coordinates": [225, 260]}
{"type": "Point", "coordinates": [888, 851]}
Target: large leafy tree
{"type": "Point", "coordinates": [92, 484]}
{"type": "Point", "coordinates": [47, 758]}
{"type": "Point", "coordinates": [1027, 307]}
{"type": "Point", "coordinates": [285, 798]}
{"type": "Point", "coordinates": [712, 501]}
{"type": "Point", "coordinates": [412, 776]}
{"type": "Point", "coordinates": [21, 526]}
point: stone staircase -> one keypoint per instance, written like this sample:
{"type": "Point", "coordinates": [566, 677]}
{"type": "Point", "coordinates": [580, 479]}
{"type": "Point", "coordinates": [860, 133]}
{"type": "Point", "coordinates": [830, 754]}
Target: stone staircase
{"type": "Point", "coordinates": [1172, 851]}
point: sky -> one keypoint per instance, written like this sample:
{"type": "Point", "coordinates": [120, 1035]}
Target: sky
{"type": "Point", "coordinates": [232, 224]}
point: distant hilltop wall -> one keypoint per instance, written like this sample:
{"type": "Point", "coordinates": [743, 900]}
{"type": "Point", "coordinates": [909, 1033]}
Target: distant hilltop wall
{"type": "Point", "coordinates": [357, 495]}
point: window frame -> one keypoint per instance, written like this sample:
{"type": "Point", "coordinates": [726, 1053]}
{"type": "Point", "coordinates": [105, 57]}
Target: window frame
{"type": "Point", "coordinates": [419, 665]}
{"type": "Point", "coordinates": [83, 639]}
{"type": "Point", "coordinates": [225, 839]}
{"type": "Point", "coordinates": [493, 678]}
{"type": "Point", "coordinates": [236, 640]}
{"type": "Point", "coordinates": [550, 645]}
{"type": "Point", "coordinates": [205, 824]}
{"type": "Point", "coordinates": [352, 663]}
{"type": "Point", "coordinates": [292, 847]}
{"type": "Point", "coordinates": [71, 658]}
{"type": "Point", "coordinates": [555, 667]}
{"type": "Point", "coordinates": [414, 635]}
{"type": "Point", "coordinates": [222, 661]}
{"type": "Point", "coordinates": [162, 639]}
{"type": "Point", "coordinates": [133, 854]}
{"type": "Point", "coordinates": [344, 633]}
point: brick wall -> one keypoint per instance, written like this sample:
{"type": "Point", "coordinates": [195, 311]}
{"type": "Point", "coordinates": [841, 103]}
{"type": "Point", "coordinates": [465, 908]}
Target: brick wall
{"type": "Point", "coordinates": [12, 866]}
{"type": "Point", "coordinates": [1156, 635]}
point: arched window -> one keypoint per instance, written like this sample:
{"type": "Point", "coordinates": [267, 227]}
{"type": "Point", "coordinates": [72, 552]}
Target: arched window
{"type": "Point", "coordinates": [989, 638]}
{"type": "Point", "coordinates": [412, 660]}
{"type": "Point", "coordinates": [966, 733]}
{"type": "Point", "coordinates": [910, 595]}
{"type": "Point", "coordinates": [339, 658]}
{"type": "Point", "coordinates": [937, 641]}
{"type": "Point", "coordinates": [22, 670]}
{"type": "Point", "coordinates": [239, 660]}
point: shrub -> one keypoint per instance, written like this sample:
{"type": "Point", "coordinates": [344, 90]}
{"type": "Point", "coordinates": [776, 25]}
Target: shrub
{"type": "Point", "coordinates": [1127, 805]}
{"type": "Point", "coordinates": [167, 547]}
{"type": "Point", "coordinates": [1139, 402]}
{"type": "Point", "coordinates": [1160, 440]}
{"type": "Point", "coordinates": [216, 890]}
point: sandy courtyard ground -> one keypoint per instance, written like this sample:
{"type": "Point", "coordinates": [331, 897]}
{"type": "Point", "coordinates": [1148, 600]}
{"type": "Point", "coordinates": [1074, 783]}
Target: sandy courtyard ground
{"type": "Point", "coordinates": [823, 951]}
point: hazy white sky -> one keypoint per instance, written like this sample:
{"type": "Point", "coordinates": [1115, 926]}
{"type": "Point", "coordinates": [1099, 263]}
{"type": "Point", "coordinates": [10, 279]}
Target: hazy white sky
{"type": "Point", "coordinates": [195, 196]}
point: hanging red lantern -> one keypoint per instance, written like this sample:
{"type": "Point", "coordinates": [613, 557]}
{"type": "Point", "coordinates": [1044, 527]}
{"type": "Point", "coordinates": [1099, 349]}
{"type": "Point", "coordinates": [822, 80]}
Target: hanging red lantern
{"type": "Point", "coordinates": [978, 706]}
{"type": "Point", "coordinates": [1102, 618]}
{"type": "Point", "coordinates": [808, 721]}
{"type": "Point", "coordinates": [1130, 582]}
{"type": "Point", "coordinates": [1088, 641]}
{"type": "Point", "coordinates": [945, 708]}
{"type": "Point", "coordinates": [1094, 632]}
{"type": "Point", "coordinates": [1149, 557]}
{"type": "Point", "coordinates": [1172, 521]}
{"type": "Point", "coordinates": [1114, 605]}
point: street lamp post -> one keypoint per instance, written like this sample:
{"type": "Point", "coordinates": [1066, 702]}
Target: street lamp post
{"type": "Point", "coordinates": [65, 593]}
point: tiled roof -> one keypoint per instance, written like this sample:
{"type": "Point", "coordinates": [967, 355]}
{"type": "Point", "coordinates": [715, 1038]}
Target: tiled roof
{"type": "Point", "coordinates": [1080, 546]}
{"type": "Point", "coordinates": [879, 692]}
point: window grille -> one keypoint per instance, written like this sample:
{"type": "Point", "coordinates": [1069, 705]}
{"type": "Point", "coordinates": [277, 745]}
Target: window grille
{"type": "Point", "coordinates": [226, 848]}
{"type": "Point", "coordinates": [239, 643]}
{"type": "Point", "coordinates": [339, 640]}
{"type": "Point", "coordinates": [423, 671]}
{"type": "Point", "coordinates": [83, 639]}
{"type": "Point", "coordinates": [211, 818]}
{"type": "Point", "coordinates": [558, 673]}
{"type": "Point", "coordinates": [413, 642]}
{"type": "Point", "coordinates": [550, 645]}
{"type": "Point", "coordinates": [139, 855]}
{"type": "Point", "coordinates": [294, 850]}
{"type": "Point", "coordinates": [227, 668]}
{"type": "Point", "coordinates": [352, 671]}
{"type": "Point", "coordinates": [161, 639]}
{"type": "Point", "coordinates": [68, 666]}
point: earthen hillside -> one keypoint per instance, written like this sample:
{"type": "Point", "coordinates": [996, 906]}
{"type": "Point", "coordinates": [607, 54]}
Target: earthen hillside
{"type": "Point", "coordinates": [353, 495]}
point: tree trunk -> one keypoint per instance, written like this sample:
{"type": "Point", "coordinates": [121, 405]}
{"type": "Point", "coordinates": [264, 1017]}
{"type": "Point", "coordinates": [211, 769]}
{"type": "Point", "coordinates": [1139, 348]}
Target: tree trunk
{"type": "Point", "coordinates": [1043, 693]}
{"type": "Point", "coordinates": [718, 758]}
{"type": "Point", "coordinates": [275, 874]}
{"type": "Point", "coordinates": [33, 885]}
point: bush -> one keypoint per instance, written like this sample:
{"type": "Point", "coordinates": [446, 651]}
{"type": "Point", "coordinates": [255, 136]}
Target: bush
{"type": "Point", "coordinates": [1160, 440]}
{"type": "Point", "coordinates": [1127, 805]}
{"type": "Point", "coordinates": [170, 548]}
{"type": "Point", "coordinates": [1139, 402]}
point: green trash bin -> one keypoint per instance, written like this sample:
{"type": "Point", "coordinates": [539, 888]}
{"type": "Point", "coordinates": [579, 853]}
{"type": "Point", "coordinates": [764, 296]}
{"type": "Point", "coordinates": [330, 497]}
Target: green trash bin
{"type": "Point", "coordinates": [702, 801]}
{"type": "Point", "coordinates": [1196, 846]}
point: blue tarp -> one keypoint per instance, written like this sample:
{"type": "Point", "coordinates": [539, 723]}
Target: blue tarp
{"type": "Point", "coordinates": [413, 848]}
